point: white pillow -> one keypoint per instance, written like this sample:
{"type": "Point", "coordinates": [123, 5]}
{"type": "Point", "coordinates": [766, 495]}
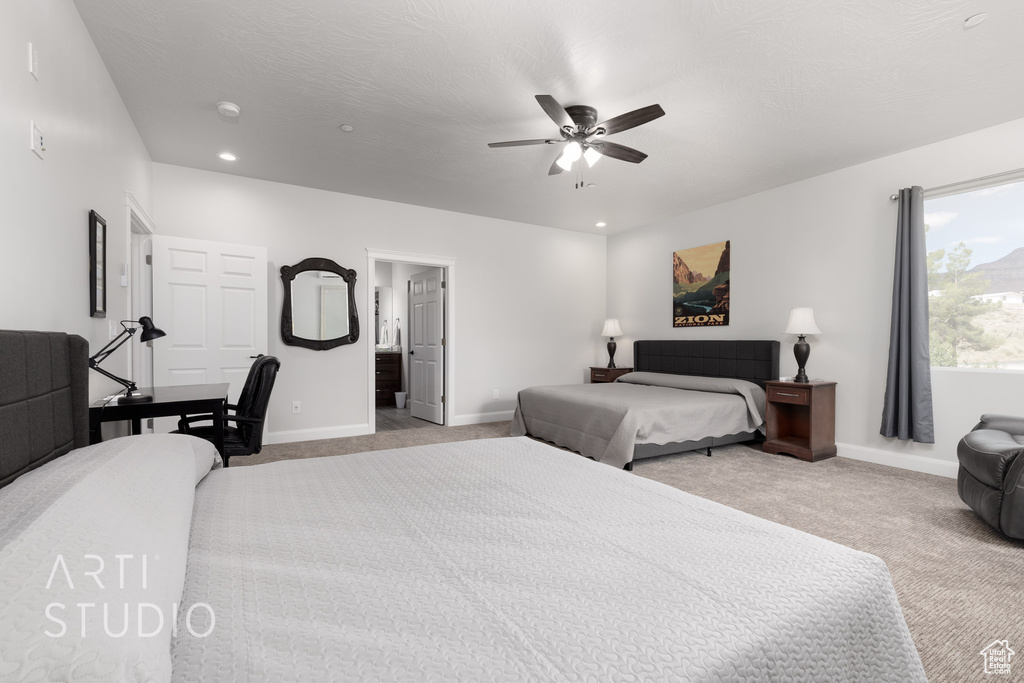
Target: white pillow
{"type": "Point", "coordinates": [99, 531]}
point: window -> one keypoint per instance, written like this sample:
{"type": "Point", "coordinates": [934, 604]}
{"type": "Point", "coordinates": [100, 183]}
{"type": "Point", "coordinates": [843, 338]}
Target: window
{"type": "Point", "coordinates": [975, 243]}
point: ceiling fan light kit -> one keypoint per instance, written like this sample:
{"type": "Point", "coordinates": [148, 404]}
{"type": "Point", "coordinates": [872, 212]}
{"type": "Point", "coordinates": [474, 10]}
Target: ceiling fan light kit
{"type": "Point", "coordinates": [583, 136]}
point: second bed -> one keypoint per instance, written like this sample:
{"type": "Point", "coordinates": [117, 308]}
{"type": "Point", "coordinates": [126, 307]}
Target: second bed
{"type": "Point", "coordinates": [684, 395]}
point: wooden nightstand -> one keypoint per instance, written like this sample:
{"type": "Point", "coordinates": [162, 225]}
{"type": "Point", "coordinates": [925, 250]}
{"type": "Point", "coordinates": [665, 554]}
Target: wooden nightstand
{"type": "Point", "coordinates": [801, 419]}
{"type": "Point", "coordinates": [598, 375]}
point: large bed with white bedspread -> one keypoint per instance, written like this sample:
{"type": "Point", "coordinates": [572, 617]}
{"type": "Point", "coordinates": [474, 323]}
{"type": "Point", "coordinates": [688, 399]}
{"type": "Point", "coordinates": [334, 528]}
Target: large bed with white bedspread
{"type": "Point", "coordinates": [501, 559]}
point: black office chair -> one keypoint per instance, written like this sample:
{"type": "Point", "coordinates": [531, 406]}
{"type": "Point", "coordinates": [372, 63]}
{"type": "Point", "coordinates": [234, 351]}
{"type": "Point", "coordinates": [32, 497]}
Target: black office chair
{"type": "Point", "coordinates": [249, 413]}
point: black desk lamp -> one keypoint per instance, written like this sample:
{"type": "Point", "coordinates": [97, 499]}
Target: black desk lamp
{"type": "Point", "coordinates": [149, 333]}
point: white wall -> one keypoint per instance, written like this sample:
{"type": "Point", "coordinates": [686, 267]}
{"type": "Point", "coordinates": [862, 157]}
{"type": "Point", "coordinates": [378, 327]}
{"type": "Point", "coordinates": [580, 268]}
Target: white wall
{"type": "Point", "coordinates": [93, 156]}
{"type": "Point", "coordinates": [827, 242]}
{"type": "Point", "coordinates": [528, 301]}
{"type": "Point", "coordinates": [382, 274]}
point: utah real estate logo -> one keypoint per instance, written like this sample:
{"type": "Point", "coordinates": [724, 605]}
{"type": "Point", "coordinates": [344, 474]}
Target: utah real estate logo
{"type": "Point", "coordinates": [997, 657]}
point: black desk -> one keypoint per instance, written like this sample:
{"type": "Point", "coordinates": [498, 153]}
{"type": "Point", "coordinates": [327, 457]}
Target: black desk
{"type": "Point", "coordinates": [191, 399]}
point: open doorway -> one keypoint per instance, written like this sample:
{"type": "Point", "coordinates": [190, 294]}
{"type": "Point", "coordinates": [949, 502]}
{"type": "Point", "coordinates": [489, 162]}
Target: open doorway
{"type": "Point", "coordinates": [410, 353]}
{"type": "Point", "coordinates": [139, 283]}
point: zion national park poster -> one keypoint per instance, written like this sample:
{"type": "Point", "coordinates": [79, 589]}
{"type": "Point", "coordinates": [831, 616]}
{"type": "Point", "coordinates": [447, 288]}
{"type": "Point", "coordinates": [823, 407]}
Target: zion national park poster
{"type": "Point", "coordinates": [700, 286]}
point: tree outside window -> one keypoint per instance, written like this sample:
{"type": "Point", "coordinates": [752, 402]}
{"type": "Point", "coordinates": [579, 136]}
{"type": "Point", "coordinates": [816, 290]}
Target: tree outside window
{"type": "Point", "coordinates": [975, 243]}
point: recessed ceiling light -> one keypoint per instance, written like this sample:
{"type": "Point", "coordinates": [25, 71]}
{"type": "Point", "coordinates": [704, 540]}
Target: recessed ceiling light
{"type": "Point", "coordinates": [229, 109]}
{"type": "Point", "coordinates": [347, 128]}
{"type": "Point", "coordinates": [600, 224]}
{"type": "Point", "coordinates": [973, 21]}
{"type": "Point", "coordinates": [227, 156]}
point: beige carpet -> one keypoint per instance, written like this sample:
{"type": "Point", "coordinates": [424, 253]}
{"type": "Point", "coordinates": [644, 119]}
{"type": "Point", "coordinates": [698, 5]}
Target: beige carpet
{"type": "Point", "coordinates": [961, 584]}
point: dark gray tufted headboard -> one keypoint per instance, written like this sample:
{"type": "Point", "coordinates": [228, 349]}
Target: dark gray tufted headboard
{"type": "Point", "coordinates": [44, 399]}
{"type": "Point", "coordinates": [751, 360]}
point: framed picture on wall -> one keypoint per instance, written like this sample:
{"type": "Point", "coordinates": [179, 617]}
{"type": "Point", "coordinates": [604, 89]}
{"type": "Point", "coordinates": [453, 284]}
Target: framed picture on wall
{"type": "Point", "coordinates": [97, 265]}
{"type": "Point", "coordinates": [700, 286]}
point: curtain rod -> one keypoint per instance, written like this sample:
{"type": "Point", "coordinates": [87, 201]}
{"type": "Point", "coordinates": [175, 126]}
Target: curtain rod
{"type": "Point", "coordinates": [976, 181]}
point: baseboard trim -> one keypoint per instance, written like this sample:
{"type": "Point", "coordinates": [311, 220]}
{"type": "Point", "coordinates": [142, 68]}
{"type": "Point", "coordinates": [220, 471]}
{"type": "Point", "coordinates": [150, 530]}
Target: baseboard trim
{"type": "Point", "coordinates": [479, 418]}
{"type": "Point", "coordinates": [293, 435]}
{"type": "Point", "coordinates": [904, 461]}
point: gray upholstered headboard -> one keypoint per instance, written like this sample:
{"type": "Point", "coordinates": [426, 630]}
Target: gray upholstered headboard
{"type": "Point", "coordinates": [752, 360]}
{"type": "Point", "coordinates": [44, 399]}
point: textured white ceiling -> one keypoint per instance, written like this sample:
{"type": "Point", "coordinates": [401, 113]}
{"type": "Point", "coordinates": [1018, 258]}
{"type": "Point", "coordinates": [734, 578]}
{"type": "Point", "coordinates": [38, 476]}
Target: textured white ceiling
{"type": "Point", "coordinates": [757, 93]}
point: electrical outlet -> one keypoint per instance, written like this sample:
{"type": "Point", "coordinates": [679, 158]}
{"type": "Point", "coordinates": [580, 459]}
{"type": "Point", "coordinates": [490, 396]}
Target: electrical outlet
{"type": "Point", "coordinates": [111, 329]}
{"type": "Point", "coordinates": [37, 140]}
{"type": "Point", "coordinates": [495, 393]}
{"type": "Point", "coordinates": [296, 406]}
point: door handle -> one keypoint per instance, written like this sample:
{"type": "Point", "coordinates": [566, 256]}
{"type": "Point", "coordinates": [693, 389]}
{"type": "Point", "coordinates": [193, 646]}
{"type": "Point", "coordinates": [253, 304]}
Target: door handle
{"type": "Point", "coordinates": [411, 352]}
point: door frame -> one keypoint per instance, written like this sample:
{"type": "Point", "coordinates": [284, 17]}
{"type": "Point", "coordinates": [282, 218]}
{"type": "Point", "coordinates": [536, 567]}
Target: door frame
{"type": "Point", "coordinates": [137, 222]}
{"type": "Point", "coordinates": [428, 260]}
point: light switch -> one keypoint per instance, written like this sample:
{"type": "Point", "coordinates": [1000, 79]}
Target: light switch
{"type": "Point", "coordinates": [37, 141]}
{"type": "Point", "coordinates": [33, 61]}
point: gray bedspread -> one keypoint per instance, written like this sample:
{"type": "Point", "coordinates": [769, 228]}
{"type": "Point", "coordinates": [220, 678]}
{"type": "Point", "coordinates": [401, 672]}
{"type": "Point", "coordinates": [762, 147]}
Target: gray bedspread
{"type": "Point", "coordinates": [509, 560]}
{"type": "Point", "coordinates": [605, 421]}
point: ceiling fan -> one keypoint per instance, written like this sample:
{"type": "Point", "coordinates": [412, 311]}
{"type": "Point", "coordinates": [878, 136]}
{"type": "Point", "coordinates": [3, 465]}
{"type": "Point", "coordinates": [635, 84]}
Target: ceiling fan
{"type": "Point", "coordinates": [584, 137]}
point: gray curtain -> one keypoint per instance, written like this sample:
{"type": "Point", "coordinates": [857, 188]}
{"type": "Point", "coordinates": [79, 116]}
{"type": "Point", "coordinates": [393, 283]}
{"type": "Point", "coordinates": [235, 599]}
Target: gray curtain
{"type": "Point", "coordinates": [907, 413]}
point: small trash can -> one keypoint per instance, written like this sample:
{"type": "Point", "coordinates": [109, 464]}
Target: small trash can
{"type": "Point", "coordinates": [400, 398]}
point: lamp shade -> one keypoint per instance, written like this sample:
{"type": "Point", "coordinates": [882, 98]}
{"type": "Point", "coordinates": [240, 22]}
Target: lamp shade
{"type": "Point", "coordinates": [149, 330]}
{"type": "Point", "coordinates": [611, 328]}
{"type": "Point", "coordinates": [801, 321]}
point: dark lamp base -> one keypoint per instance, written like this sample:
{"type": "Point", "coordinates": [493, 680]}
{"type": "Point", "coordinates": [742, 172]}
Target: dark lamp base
{"type": "Point", "coordinates": [135, 398]}
{"type": "Point", "coordinates": [611, 352]}
{"type": "Point", "coordinates": [802, 351]}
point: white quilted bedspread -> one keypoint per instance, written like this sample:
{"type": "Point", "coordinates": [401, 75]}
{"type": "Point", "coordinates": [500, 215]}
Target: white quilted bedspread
{"type": "Point", "coordinates": [509, 560]}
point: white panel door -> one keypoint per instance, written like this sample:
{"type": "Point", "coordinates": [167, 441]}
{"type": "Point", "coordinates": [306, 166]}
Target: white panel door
{"type": "Point", "coordinates": [426, 341]}
{"type": "Point", "coordinates": [211, 300]}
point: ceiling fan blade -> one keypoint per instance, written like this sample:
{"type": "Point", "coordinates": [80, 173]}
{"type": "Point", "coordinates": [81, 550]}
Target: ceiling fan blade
{"type": "Point", "coordinates": [621, 152]}
{"type": "Point", "coordinates": [521, 143]}
{"type": "Point", "coordinates": [632, 119]}
{"type": "Point", "coordinates": [555, 168]}
{"type": "Point", "coordinates": [556, 111]}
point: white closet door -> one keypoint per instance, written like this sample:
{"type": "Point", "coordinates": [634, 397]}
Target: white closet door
{"type": "Point", "coordinates": [211, 300]}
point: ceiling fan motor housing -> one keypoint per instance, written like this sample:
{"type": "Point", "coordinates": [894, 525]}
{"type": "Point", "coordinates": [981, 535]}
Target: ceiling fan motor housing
{"type": "Point", "coordinates": [582, 116]}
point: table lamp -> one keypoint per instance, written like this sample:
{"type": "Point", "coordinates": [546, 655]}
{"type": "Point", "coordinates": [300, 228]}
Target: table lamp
{"type": "Point", "coordinates": [149, 333]}
{"type": "Point", "coordinates": [611, 330]}
{"type": "Point", "coordinates": [801, 323]}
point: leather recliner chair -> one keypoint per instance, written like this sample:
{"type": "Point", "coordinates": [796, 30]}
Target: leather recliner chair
{"type": "Point", "coordinates": [991, 476]}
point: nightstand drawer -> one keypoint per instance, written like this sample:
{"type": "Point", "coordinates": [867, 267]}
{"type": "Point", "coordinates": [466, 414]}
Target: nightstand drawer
{"type": "Point", "coordinates": [789, 394]}
{"type": "Point", "coordinates": [598, 375]}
